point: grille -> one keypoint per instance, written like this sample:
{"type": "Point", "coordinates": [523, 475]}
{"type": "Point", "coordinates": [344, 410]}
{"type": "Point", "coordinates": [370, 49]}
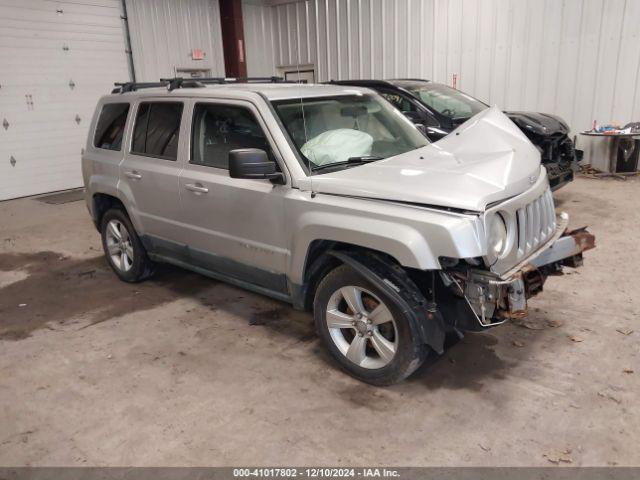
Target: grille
{"type": "Point", "coordinates": [531, 219]}
{"type": "Point", "coordinates": [536, 222]}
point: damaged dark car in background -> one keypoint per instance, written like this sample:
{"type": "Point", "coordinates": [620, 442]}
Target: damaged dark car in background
{"type": "Point", "coordinates": [441, 109]}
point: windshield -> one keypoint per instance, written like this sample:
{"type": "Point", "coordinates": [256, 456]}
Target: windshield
{"type": "Point", "coordinates": [347, 130]}
{"type": "Point", "coordinates": [448, 101]}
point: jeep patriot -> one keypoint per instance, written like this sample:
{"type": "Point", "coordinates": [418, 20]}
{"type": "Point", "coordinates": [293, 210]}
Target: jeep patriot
{"type": "Point", "coordinates": [329, 198]}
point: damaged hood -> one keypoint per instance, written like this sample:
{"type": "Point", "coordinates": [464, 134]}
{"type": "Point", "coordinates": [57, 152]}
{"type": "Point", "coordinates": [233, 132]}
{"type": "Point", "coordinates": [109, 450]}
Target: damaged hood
{"type": "Point", "coordinates": [486, 159]}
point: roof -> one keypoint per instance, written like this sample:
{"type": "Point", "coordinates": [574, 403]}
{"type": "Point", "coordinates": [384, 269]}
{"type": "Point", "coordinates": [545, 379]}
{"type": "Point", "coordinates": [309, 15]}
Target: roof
{"type": "Point", "coordinates": [273, 91]}
{"type": "Point", "coordinates": [281, 91]}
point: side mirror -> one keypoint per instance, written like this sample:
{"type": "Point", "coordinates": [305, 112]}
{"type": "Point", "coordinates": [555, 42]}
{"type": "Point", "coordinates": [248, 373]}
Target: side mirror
{"type": "Point", "coordinates": [253, 163]}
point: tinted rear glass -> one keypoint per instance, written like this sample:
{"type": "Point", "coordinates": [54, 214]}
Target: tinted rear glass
{"type": "Point", "coordinates": [110, 127]}
{"type": "Point", "coordinates": [157, 130]}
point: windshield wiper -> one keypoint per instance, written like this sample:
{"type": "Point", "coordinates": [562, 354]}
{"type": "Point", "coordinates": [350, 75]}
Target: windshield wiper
{"type": "Point", "coordinates": [363, 159]}
{"type": "Point", "coordinates": [351, 161]}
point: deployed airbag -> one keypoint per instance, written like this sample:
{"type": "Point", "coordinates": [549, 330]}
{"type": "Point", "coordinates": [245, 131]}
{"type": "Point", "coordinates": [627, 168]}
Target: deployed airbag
{"type": "Point", "coordinates": [339, 145]}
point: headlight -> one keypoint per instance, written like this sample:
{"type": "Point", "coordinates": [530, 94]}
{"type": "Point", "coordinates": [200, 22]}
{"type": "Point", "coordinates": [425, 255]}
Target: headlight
{"type": "Point", "coordinates": [497, 236]}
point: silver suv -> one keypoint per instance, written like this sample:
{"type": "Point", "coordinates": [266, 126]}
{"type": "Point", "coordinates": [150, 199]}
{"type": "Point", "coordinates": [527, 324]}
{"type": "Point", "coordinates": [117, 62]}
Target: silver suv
{"type": "Point", "coordinates": [328, 198]}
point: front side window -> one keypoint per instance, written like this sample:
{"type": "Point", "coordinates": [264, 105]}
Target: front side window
{"type": "Point", "coordinates": [347, 130]}
{"type": "Point", "coordinates": [448, 101]}
{"type": "Point", "coordinates": [110, 127]}
{"type": "Point", "coordinates": [218, 129]}
{"type": "Point", "coordinates": [157, 130]}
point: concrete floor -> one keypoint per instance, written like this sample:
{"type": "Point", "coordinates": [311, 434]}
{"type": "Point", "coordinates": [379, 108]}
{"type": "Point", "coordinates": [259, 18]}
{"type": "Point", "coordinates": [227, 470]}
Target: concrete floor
{"type": "Point", "coordinates": [182, 370]}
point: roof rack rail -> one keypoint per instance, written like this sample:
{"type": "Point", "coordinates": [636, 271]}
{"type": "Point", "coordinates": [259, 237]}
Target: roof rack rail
{"type": "Point", "coordinates": [243, 80]}
{"type": "Point", "coordinates": [180, 82]}
{"type": "Point", "coordinates": [123, 87]}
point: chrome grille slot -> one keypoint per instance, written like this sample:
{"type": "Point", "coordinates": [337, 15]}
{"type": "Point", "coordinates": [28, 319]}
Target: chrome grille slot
{"type": "Point", "coordinates": [522, 232]}
{"type": "Point", "coordinates": [536, 222]}
{"type": "Point", "coordinates": [551, 209]}
{"type": "Point", "coordinates": [530, 228]}
{"type": "Point", "coordinates": [544, 224]}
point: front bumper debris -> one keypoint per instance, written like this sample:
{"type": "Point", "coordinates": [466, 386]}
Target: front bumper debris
{"type": "Point", "coordinates": [528, 281]}
{"type": "Point", "coordinates": [494, 300]}
{"type": "Point", "coordinates": [567, 249]}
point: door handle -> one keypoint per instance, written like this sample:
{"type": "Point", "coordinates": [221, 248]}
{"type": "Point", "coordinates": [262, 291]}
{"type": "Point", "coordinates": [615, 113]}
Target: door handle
{"type": "Point", "coordinates": [196, 187]}
{"type": "Point", "coordinates": [133, 174]}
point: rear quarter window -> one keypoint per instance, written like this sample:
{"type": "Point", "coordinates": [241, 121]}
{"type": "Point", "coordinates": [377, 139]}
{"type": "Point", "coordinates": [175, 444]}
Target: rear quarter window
{"type": "Point", "coordinates": [110, 127]}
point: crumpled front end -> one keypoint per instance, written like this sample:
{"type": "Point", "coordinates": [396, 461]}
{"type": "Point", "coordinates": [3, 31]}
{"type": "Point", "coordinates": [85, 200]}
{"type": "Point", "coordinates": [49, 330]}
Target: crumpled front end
{"type": "Point", "coordinates": [490, 291]}
{"type": "Point", "coordinates": [492, 299]}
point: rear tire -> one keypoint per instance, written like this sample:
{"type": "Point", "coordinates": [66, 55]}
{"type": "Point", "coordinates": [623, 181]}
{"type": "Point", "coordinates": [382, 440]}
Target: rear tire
{"type": "Point", "coordinates": [364, 330]}
{"type": "Point", "coordinates": [122, 247]}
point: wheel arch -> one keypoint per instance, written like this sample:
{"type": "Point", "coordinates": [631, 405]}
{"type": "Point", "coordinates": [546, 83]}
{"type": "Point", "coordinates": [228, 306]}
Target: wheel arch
{"type": "Point", "coordinates": [404, 243]}
{"type": "Point", "coordinates": [388, 276]}
{"type": "Point", "coordinates": [321, 259]}
{"type": "Point", "coordinates": [103, 202]}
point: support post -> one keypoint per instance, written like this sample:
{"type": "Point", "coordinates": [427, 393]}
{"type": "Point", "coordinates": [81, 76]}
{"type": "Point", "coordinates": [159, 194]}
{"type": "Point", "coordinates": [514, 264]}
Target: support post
{"type": "Point", "coordinates": [235, 60]}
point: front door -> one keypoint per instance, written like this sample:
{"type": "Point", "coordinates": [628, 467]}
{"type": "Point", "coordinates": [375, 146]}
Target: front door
{"type": "Point", "coordinates": [149, 175]}
{"type": "Point", "coordinates": [232, 226]}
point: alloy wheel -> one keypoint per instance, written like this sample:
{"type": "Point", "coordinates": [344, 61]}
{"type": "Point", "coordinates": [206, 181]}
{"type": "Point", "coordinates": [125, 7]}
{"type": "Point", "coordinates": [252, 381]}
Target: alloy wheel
{"type": "Point", "coordinates": [119, 245]}
{"type": "Point", "coordinates": [362, 327]}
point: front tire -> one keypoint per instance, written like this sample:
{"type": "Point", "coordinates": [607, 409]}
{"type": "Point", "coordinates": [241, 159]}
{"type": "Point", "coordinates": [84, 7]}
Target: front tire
{"type": "Point", "coordinates": [364, 330]}
{"type": "Point", "coordinates": [122, 247]}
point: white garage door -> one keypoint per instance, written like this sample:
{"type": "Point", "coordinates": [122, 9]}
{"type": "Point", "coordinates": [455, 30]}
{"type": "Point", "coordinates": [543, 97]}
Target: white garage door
{"type": "Point", "coordinates": [56, 59]}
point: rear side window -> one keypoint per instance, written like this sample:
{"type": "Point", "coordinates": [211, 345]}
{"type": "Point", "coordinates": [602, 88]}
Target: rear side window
{"type": "Point", "coordinates": [110, 127]}
{"type": "Point", "coordinates": [218, 129]}
{"type": "Point", "coordinates": [157, 130]}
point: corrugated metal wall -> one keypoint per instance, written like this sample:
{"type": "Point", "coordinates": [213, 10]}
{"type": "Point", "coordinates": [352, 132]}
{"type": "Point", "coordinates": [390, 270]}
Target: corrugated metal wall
{"type": "Point", "coordinates": [164, 32]}
{"type": "Point", "coordinates": [56, 60]}
{"type": "Point", "coordinates": [579, 59]}
{"type": "Point", "coordinates": [259, 35]}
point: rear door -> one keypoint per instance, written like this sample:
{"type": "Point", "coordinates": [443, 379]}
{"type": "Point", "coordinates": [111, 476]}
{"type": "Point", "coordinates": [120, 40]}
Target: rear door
{"type": "Point", "coordinates": [149, 174]}
{"type": "Point", "coordinates": [232, 226]}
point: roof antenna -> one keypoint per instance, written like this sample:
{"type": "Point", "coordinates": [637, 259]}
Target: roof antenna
{"type": "Point", "coordinates": [304, 123]}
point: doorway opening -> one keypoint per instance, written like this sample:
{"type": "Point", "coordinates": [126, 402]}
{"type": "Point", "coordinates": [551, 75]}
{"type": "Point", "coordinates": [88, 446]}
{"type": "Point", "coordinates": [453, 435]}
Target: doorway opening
{"type": "Point", "coordinates": [298, 73]}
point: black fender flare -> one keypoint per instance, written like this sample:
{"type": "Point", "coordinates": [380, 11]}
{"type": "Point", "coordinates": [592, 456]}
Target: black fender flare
{"type": "Point", "coordinates": [392, 279]}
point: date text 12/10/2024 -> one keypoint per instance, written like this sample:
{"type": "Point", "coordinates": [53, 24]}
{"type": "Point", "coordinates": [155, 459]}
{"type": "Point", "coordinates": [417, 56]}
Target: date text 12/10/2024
{"type": "Point", "coordinates": [320, 472]}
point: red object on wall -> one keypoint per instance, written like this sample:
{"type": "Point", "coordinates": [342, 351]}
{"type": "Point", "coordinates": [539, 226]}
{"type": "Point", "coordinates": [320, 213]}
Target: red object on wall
{"type": "Point", "coordinates": [197, 54]}
{"type": "Point", "coordinates": [235, 64]}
